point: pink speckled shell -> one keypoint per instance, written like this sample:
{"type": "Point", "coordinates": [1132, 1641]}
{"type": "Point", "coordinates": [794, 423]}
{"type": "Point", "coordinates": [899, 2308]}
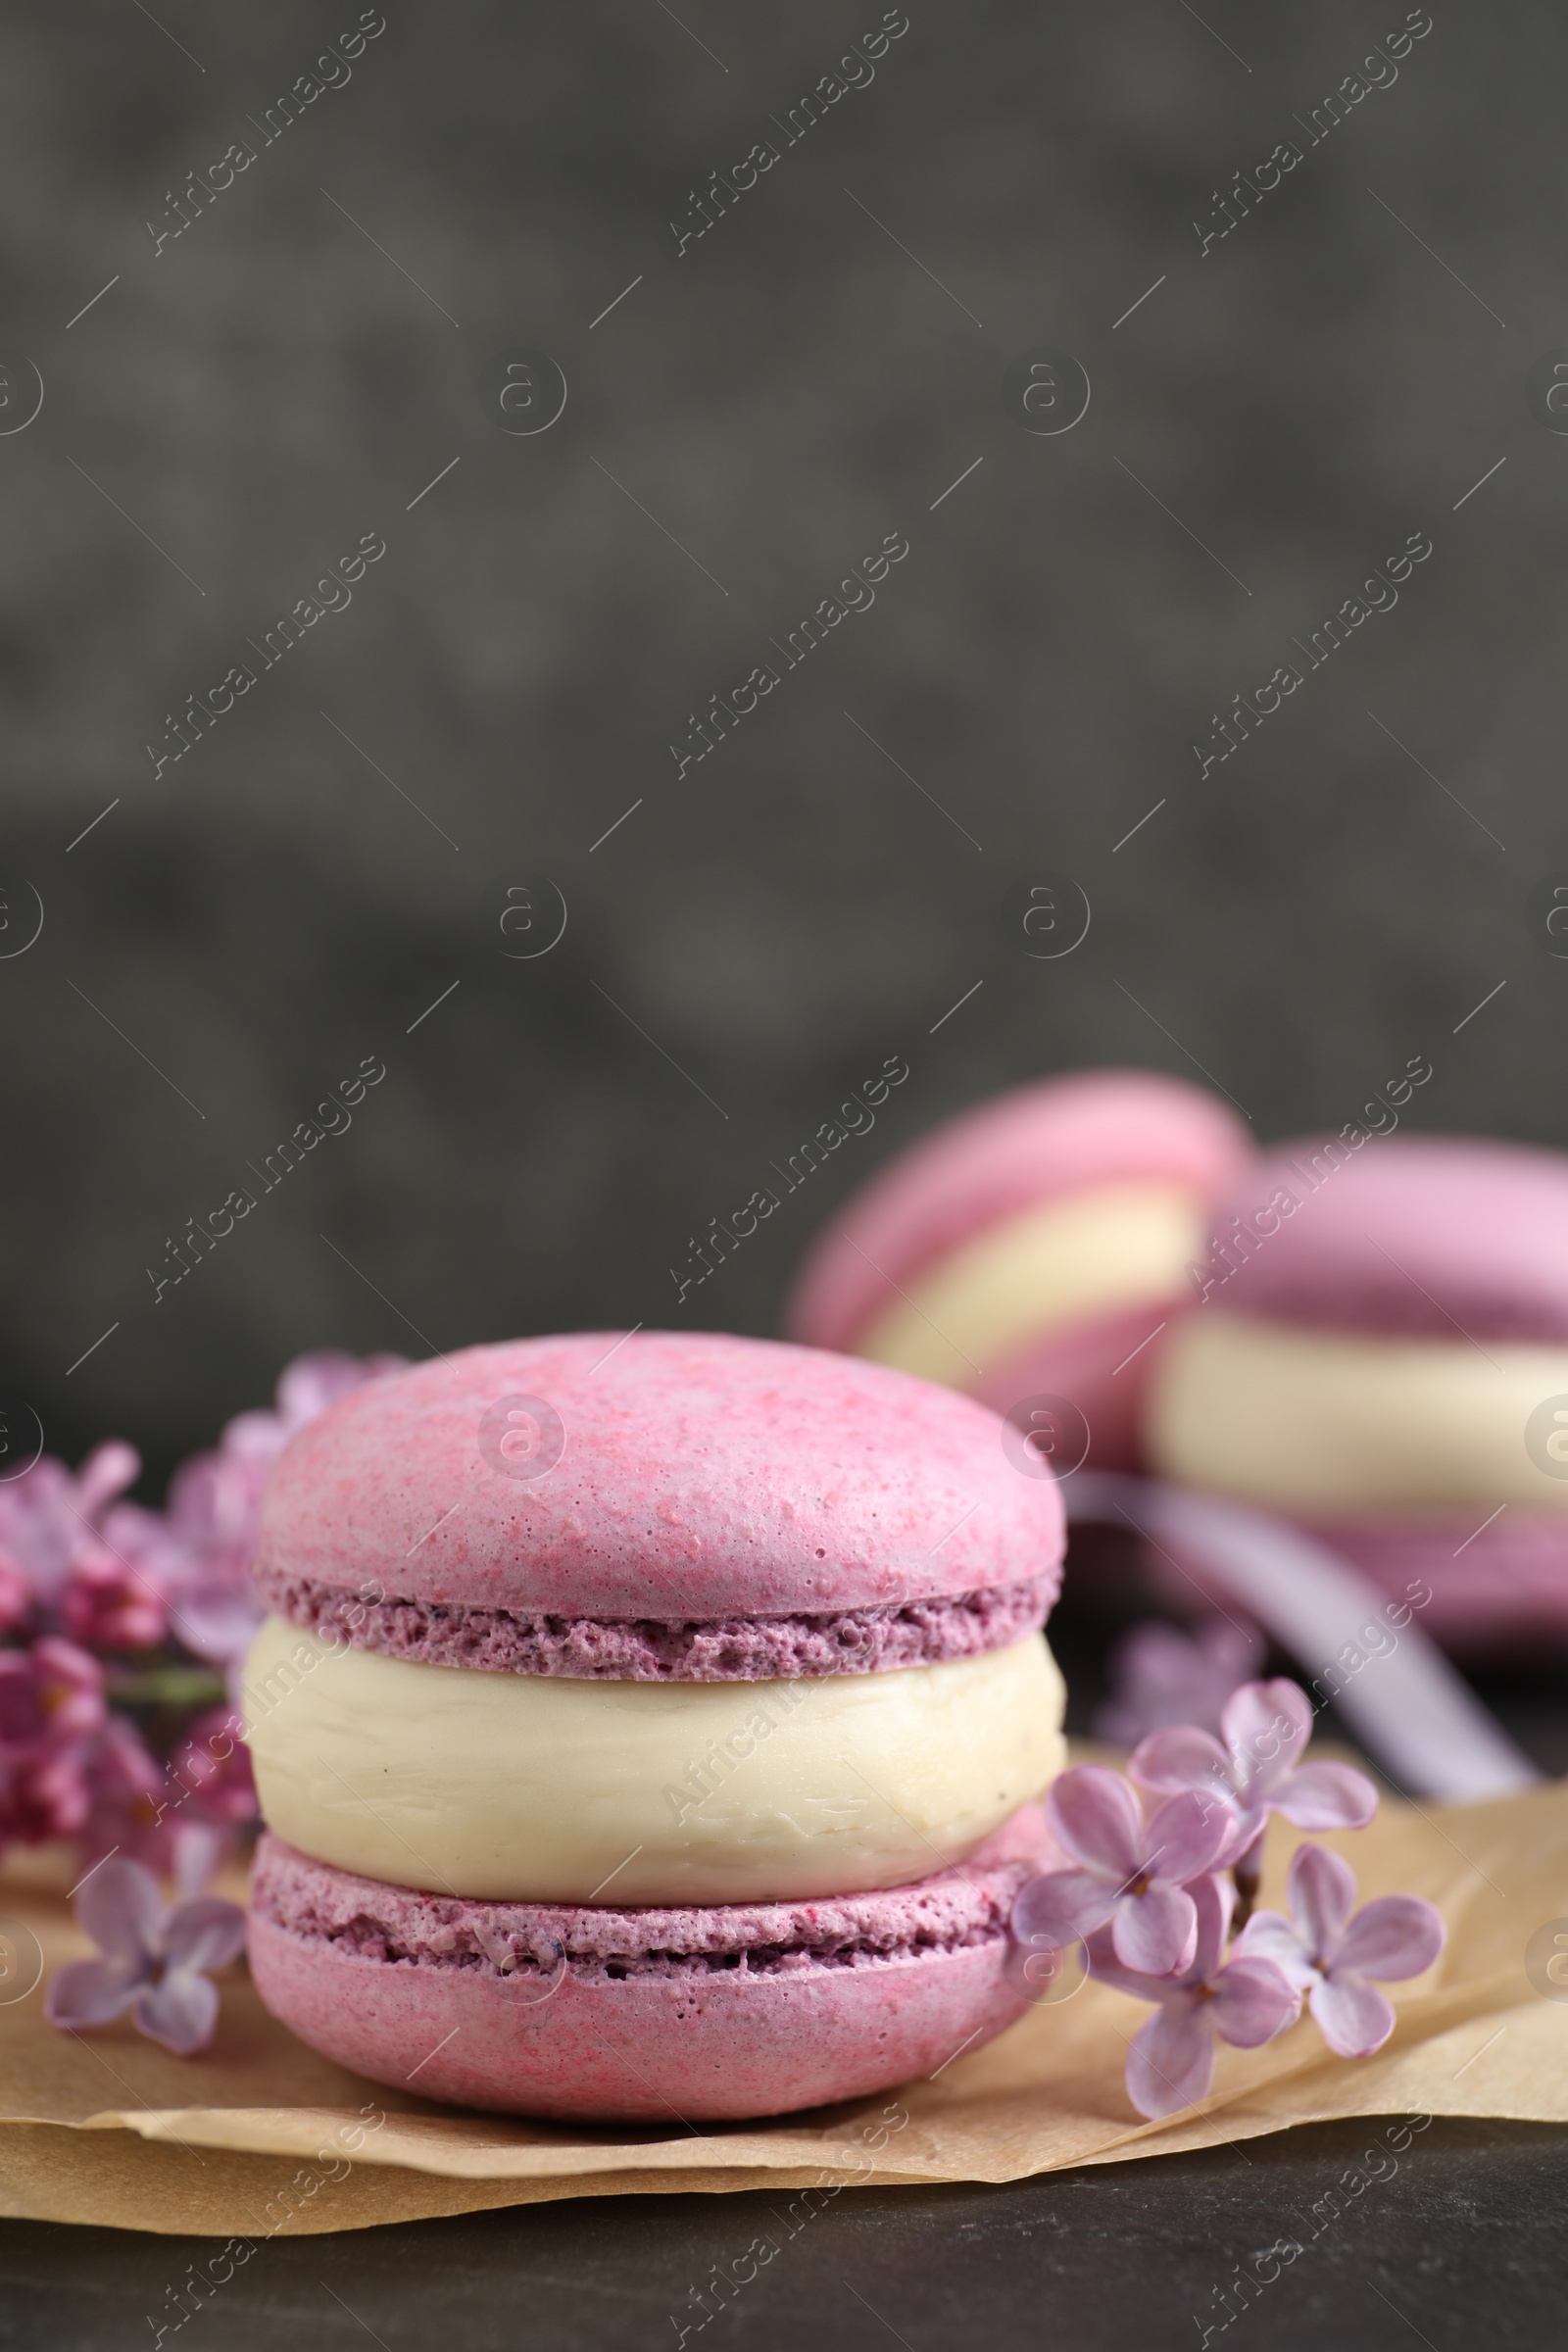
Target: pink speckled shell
{"type": "Point", "coordinates": [1410, 1235]}
{"type": "Point", "coordinates": [703, 1477]}
{"type": "Point", "coordinates": [898, 1984]}
{"type": "Point", "coordinates": [1034, 1145]}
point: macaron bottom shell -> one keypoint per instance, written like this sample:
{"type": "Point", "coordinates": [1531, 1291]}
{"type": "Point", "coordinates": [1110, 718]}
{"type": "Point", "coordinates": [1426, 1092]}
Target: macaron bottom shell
{"type": "Point", "coordinates": [697, 2039]}
{"type": "Point", "coordinates": [653, 2051]}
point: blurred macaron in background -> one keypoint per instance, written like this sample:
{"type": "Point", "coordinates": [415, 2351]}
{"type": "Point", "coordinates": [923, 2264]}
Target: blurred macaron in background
{"type": "Point", "coordinates": [1035, 1245]}
{"type": "Point", "coordinates": [1381, 1352]}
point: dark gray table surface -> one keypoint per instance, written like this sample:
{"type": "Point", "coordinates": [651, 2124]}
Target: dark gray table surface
{"type": "Point", "coordinates": [1462, 2245]}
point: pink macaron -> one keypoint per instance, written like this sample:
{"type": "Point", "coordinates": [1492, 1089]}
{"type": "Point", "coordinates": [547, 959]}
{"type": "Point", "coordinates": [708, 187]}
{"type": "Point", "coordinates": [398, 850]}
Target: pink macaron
{"type": "Point", "coordinates": [1381, 1352]}
{"type": "Point", "coordinates": [1036, 1245]}
{"type": "Point", "coordinates": [640, 1524]}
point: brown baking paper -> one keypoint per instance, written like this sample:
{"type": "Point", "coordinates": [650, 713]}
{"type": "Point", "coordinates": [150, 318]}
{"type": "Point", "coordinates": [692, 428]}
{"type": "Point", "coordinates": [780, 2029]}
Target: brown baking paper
{"type": "Point", "coordinates": [259, 2137]}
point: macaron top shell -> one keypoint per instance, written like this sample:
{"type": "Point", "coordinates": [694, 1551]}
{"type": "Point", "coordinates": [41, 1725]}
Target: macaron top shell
{"type": "Point", "coordinates": [657, 1476]}
{"type": "Point", "coordinates": [1018, 1151]}
{"type": "Point", "coordinates": [1446, 1238]}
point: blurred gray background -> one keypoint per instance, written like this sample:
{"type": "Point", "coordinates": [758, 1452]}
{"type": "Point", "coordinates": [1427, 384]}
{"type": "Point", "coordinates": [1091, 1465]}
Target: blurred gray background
{"type": "Point", "coordinates": [322, 341]}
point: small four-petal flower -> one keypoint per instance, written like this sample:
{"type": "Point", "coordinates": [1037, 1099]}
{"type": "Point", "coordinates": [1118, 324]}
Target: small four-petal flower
{"type": "Point", "coordinates": [1245, 2001]}
{"type": "Point", "coordinates": [1130, 1872]}
{"type": "Point", "coordinates": [154, 1958]}
{"type": "Point", "coordinates": [1256, 1767]}
{"type": "Point", "coordinates": [1331, 1956]}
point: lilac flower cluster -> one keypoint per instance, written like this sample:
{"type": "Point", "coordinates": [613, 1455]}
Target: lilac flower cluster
{"type": "Point", "coordinates": [120, 1630]}
{"type": "Point", "coordinates": [1162, 1869]}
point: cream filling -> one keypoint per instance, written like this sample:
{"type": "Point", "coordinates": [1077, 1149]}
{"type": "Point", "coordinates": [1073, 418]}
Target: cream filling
{"type": "Point", "coordinates": [1327, 1423]}
{"type": "Point", "coordinates": [1093, 1255]}
{"type": "Point", "coordinates": [529, 1787]}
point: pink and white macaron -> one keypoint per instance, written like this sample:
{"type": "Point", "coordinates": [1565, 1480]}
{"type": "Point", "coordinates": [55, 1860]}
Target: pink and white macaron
{"type": "Point", "coordinates": [1382, 1352]}
{"type": "Point", "coordinates": [648, 1728]}
{"type": "Point", "coordinates": [1038, 1244]}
